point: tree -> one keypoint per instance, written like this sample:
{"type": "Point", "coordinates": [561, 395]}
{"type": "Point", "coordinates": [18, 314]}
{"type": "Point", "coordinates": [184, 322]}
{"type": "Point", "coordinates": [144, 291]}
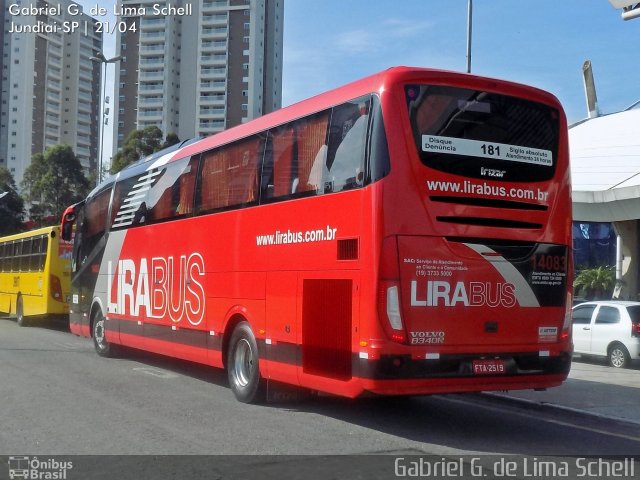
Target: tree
{"type": "Point", "coordinates": [52, 182]}
{"type": "Point", "coordinates": [137, 145]}
{"type": "Point", "coordinates": [595, 283]}
{"type": "Point", "coordinates": [11, 204]}
{"type": "Point", "coordinates": [171, 139]}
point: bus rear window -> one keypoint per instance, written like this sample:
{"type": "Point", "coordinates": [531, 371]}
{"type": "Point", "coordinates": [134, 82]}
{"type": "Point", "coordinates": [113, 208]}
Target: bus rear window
{"type": "Point", "coordinates": [483, 135]}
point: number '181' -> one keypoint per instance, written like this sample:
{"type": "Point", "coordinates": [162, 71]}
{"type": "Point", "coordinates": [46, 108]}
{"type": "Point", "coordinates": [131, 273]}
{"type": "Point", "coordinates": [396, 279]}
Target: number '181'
{"type": "Point", "coordinates": [490, 149]}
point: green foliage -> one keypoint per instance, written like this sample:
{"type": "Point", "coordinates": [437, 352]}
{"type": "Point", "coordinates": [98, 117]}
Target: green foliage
{"type": "Point", "coordinates": [52, 182]}
{"type": "Point", "coordinates": [171, 139]}
{"type": "Point", "coordinates": [595, 283]}
{"type": "Point", "coordinates": [139, 144]}
{"type": "Point", "coordinates": [11, 205]}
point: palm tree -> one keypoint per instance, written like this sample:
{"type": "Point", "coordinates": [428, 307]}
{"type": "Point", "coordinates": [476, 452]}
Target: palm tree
{"type": "Point", "coordinates": [595, 283]}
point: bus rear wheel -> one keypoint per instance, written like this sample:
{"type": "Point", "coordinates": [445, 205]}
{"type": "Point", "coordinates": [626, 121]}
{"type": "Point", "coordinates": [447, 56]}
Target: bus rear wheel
{"type": "Point", "coordinates": [243, 366]}
{"type": "Point", "coordinates": [20, 319]}
{"type": "Point", "coordinates": [98, 332]}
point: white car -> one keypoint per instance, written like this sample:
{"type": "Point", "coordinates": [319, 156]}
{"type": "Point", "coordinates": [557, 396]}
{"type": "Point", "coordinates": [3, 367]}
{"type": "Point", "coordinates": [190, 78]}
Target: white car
{"type": "Point", "coordinates": [608, 329]}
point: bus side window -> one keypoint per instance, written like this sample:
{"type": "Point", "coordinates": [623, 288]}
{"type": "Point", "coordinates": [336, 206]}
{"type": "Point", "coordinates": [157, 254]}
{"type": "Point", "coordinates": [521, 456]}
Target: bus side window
{"type": "Point", "coordinates": [17, 253]}
{"type": "Point", "coordinates": [244, 159]}
{"type": "Point", "coordinates": [230, 175]}
{"type": "Point", "coordinates": [172, 193]}
{"type": "Point", "coordinates": [311, 145]}
{"type": "Point", "coordinates": [128, 208]}
{"type": "Point", "coordinates": [34, 248]}
{"type": "Point", "coordinates": [43, 246]}
{"type": "Point", "coordinates": [345, 153]}
{"type": "Point", "coordinates": [187, 186]}
{"type": "Point", "coordinates": [213, 189]}
{"type": "Point", "coordinates": [94, 223]}
{"type": "Point", "coordinates": [280, 170]}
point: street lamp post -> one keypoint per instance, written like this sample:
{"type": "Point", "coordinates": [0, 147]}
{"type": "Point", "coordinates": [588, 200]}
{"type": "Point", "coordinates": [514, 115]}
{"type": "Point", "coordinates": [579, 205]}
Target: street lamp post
{"type": "Point", "coordinates": [99, 57]}
{"type": "Point", "coordinates": [469, 29]}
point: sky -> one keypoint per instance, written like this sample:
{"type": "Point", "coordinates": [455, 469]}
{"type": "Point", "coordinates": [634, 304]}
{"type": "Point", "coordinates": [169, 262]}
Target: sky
{"type": "Point", "coordinates": [543, 43]}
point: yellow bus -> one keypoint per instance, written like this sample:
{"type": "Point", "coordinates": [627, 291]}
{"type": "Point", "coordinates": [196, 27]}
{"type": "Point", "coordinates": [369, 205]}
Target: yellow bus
{"type": "Point", "coordinates": [35, 272]}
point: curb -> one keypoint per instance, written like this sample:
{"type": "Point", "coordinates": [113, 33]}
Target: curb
{"type": "Point", "coordinates": [562, 408]}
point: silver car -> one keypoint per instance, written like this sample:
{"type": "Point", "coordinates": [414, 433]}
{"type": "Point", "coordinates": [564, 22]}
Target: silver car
{"type": "Point", "coordinates": [608, 329]}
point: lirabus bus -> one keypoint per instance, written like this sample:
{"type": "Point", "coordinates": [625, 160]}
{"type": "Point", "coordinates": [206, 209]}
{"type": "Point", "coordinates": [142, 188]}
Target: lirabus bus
{"type": "Point", "coordinates": [408, 233]}
{"type": "Point", "coordinates": [35, 270]}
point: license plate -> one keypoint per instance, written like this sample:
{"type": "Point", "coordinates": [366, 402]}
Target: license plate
{"type": "Point", "coordinates": [489, 367]}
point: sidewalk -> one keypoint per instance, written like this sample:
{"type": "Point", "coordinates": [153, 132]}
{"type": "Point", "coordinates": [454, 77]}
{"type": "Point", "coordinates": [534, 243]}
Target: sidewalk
{"type": "Point", "coordinates": [592, 388]}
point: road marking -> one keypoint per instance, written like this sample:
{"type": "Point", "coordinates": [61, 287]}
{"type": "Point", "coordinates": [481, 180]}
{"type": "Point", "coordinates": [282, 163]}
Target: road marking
{"type": "Point", "coordinates": [549, 420]}
{"type": "Point", "coordinates": [154, 372]}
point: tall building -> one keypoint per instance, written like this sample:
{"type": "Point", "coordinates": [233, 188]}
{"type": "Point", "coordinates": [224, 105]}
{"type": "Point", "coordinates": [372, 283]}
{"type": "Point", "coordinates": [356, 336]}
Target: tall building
{"type": "Point", "coordinates": [196, 71]}
{"type": "Point", "coordinates": [50, 91]}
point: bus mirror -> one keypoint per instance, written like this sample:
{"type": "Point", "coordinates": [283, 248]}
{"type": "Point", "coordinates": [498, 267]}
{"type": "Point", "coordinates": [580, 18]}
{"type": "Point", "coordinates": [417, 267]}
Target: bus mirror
{"type": "Point", "coordinates": [68, 220]}
{"type": "Point", "coordinates": [67, 230]}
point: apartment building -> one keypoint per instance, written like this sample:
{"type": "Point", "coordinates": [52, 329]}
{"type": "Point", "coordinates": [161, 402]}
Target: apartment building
{"type": "Point", "coordinates": [50, 87]}
{"type": "Point", "coordinates": [198, 66]}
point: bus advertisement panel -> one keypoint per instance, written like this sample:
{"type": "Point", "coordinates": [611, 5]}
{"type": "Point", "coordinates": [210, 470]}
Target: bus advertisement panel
{"type": "Point", "coordinates": [408, 233]}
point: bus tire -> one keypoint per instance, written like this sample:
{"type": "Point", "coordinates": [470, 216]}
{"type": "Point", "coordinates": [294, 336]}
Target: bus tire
{"type": "Point", "coordinates": [20, 318]}
{"type": "Point", "coordinates": [243, 367]}
{"type": "Point", "coordinates": [98, 331]}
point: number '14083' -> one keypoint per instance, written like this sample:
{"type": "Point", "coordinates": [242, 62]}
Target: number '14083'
{"type": "Point", "coordinates": [557, 263]}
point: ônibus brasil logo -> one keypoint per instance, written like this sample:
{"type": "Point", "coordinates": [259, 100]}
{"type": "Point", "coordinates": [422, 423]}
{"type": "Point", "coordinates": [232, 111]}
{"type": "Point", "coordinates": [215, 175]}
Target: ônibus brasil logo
{"type": "Point", "coordinates": [37, 469]}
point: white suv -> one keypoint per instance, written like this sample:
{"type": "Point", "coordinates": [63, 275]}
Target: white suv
{"type": "Point", "coordinates": [609, 329]}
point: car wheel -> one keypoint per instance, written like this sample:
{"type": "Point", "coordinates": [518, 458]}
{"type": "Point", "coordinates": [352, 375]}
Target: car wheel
{"type": "Point", "coordinates": [98, 332]}
{"type": "Point", "coordinates": [619, 356]}
{"type": "Point", "coordinates": [243, 367]}
{"type": "Point", "coordinates": [20, 313]}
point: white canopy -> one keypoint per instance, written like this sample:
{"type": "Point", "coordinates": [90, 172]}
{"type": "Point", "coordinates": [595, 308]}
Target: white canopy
{"type": "Point", "coordinates": [605, 167]}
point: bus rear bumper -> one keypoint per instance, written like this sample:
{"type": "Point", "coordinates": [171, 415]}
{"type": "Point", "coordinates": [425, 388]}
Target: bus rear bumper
{"type": "Point", "coordinates": [458, 385]}
{"type": "Point", "coordinates": [394, 375]}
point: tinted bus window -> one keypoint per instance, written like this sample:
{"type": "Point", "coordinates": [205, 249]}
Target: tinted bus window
{"type": "Point", "coordinates": [469, 132]}
{"type": "Point", "coordinates": [93, 220]}
{"type": "Point", "coordinates": [323, 153]}
{"type": "Point", "coordinates": [311, 150]}
{"type": "Point", "coordinates": [345, 146]}
{"type": "Point", "coordinates": [171, 195]}
{"type": "Point", "coordinates": [377, 164]}
{"type": "Point", "coordinates": [230, 175]}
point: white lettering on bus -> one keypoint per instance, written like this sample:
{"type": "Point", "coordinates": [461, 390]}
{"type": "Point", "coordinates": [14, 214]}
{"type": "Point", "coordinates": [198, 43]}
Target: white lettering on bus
{"type": "Point", "coordinates": [475, 294]}
{"type": "Point", "coordinates": [174, 290]}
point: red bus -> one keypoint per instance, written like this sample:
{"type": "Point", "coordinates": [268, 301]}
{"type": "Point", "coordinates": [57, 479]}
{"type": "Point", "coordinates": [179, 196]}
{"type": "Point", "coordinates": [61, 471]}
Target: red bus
{"type": "Point", "coordinates": [408, 233]}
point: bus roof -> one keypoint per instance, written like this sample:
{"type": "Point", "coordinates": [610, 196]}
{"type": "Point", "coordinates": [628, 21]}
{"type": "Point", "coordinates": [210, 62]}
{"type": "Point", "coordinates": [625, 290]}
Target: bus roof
{"type": "Point", "coordinates": [364, 86]}
{"type": "Point", "coordinates": [30, 233]}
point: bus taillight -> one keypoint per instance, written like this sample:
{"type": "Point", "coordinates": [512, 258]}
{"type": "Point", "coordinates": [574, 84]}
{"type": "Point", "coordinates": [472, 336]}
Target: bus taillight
{"type": "Point", "coordinates": [56, 288]}
{"type": "Point", "coordinates": [393, 314]}
{"type": "Point", "coordinates": [389, 308]}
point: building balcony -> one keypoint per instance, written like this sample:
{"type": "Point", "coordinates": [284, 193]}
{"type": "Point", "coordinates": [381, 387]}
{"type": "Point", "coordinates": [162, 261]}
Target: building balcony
{"type": "Point", "coordinates": [211, 72]}
{"type": "Point", "coordinates": [208, 32]}
{"type": "Point", "coordinates": [147, 24]}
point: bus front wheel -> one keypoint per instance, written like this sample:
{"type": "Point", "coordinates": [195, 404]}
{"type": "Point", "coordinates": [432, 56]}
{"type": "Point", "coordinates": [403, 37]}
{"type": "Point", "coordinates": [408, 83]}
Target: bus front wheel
{"type": "Point", "coordinates": [98, 332]}
{"type": "Point", "coordinates": [243, 366]}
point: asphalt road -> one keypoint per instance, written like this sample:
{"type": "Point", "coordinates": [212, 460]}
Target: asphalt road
{"type": "Point", "coordinates": [58, 397]}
